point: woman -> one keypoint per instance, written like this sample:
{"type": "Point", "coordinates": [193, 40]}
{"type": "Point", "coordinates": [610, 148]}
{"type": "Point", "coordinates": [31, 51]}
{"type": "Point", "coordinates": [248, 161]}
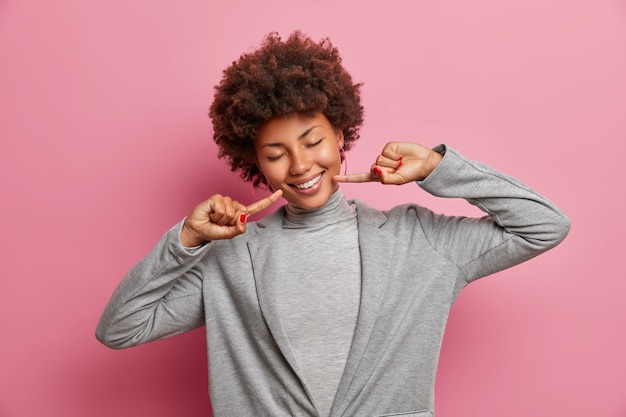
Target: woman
{"type": "Point", "coordinates": [326, 307]}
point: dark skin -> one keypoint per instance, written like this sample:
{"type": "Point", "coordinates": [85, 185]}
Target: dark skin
{"type": "Point", "coordinates": [220, 217]}
{"type": "Point", "coordinates": [398, 163]}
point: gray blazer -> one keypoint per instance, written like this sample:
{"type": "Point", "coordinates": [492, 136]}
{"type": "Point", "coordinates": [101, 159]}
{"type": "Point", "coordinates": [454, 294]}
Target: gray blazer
{"type": "Point", "coordinates": [414, 263]}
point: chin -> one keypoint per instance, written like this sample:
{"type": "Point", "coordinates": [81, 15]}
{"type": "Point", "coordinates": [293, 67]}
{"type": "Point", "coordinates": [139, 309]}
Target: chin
{"type": "Point", "coordinates": [311, 202]}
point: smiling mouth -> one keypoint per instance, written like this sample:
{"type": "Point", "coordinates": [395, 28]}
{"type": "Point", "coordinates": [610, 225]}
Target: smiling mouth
{"type": "Point", "coordinates": [309, 183]}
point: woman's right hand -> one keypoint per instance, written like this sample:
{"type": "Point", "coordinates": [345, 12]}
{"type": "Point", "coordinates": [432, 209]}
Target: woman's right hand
{"type": "Point", "coordinates": [220, 217]}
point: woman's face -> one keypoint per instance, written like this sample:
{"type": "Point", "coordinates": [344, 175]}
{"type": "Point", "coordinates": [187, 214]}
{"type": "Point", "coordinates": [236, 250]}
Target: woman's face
{"type": "Point", "coordinates": [300, 155]}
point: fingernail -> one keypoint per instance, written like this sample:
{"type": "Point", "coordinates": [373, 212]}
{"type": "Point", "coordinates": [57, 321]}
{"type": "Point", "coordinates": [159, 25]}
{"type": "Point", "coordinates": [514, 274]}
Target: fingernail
{"type": "Point", "coordinates": [242, 218]}
{"type": "Point", "coordinates": [399, 163]}
{"type": "Point", "coordinates": [378, 171]}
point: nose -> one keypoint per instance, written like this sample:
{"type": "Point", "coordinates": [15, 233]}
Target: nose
{"type": "Point", "coordinates": [300, 163]}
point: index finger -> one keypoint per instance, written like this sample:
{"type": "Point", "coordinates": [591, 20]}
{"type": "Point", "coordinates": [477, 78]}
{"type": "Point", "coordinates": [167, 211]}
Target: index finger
{"type": "Point", "coordinates": [264, 203]}
{"type": "Point", "coordinates": [360, 177]}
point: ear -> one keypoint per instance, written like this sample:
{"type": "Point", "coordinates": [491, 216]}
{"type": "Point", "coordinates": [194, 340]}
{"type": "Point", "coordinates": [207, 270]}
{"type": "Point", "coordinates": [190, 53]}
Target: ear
{"type": "Point", "coordinates": [339, 135]}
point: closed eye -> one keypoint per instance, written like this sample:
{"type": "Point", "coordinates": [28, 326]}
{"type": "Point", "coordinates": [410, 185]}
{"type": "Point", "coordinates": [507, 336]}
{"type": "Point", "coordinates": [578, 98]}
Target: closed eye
{"type": "Point", "coordinates": [274, 158]}
{"type": "Point", "coordinates": [310, 145]}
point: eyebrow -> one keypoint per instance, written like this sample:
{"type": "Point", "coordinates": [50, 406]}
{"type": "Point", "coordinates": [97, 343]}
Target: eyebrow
{"type": "Point", "coordinates": [302, 136]}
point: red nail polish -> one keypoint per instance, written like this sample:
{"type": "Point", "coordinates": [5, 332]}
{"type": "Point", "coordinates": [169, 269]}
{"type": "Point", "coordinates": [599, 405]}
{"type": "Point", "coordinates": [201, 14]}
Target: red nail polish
{"type": "Point", "coordinates": [399, 163]}
{"type": "Point", "coordinates": [242, 217]}
{"type": "Point", "coordinates": [378, 171]}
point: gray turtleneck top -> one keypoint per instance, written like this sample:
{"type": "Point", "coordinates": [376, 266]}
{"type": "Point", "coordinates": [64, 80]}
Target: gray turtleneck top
{"type": "Point", "coordinates": [319, 298]}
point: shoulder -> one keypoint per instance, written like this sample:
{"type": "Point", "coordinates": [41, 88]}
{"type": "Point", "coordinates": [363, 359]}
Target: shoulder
{"type": "Point", "coordinates": [403, 214]}
{"type": "Point", "coordinates": [269, 223]}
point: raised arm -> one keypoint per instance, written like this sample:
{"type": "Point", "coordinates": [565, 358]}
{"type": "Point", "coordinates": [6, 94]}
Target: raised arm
{"type": "Point", "coordinates": [162, 295]}
{"type": "Point", "coordinates": [520, 223]}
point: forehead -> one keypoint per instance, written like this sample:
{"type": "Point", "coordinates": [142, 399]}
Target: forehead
{"type": "Point", "coordinates": [287, 128]}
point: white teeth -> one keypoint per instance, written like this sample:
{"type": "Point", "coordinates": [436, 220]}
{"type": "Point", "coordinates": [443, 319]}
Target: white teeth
{"type": "Point", "coordinates": [309, 184]}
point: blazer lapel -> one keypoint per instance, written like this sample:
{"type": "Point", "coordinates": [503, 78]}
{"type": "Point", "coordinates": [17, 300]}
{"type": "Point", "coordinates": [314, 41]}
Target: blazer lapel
{"type": "Point", "coordinates": [376, 247]}
{"type": "Point", "coordinates": [268, 261]}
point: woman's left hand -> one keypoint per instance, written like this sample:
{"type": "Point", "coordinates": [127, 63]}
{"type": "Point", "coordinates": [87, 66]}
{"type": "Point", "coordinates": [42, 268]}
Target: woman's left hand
{"type": "Point", "coordinates": [398, 163]}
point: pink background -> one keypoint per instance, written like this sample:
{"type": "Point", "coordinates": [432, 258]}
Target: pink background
{"type": "Point", "coordinates": [105, 143]}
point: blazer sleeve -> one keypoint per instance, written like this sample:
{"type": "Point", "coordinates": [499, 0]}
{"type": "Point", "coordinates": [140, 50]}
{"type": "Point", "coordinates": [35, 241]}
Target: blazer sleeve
{"type": "Point", "coordinates": [159, 297]}
{"type": "Point", "coordinates": [519, 225]}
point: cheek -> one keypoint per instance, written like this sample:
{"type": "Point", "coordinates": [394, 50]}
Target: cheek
{"type": "Point", "coordinates": [332, 158]}
{"type": "Point", "coordinates": [273, 172]}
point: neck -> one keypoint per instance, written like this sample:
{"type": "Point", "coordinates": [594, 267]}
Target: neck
{"type": "Point", "coordinates": [334, 210]}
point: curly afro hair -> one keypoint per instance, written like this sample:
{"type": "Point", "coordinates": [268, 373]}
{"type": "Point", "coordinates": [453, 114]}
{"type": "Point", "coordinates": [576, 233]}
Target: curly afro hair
{"type": "Point", "coordinates": [281, 78]}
